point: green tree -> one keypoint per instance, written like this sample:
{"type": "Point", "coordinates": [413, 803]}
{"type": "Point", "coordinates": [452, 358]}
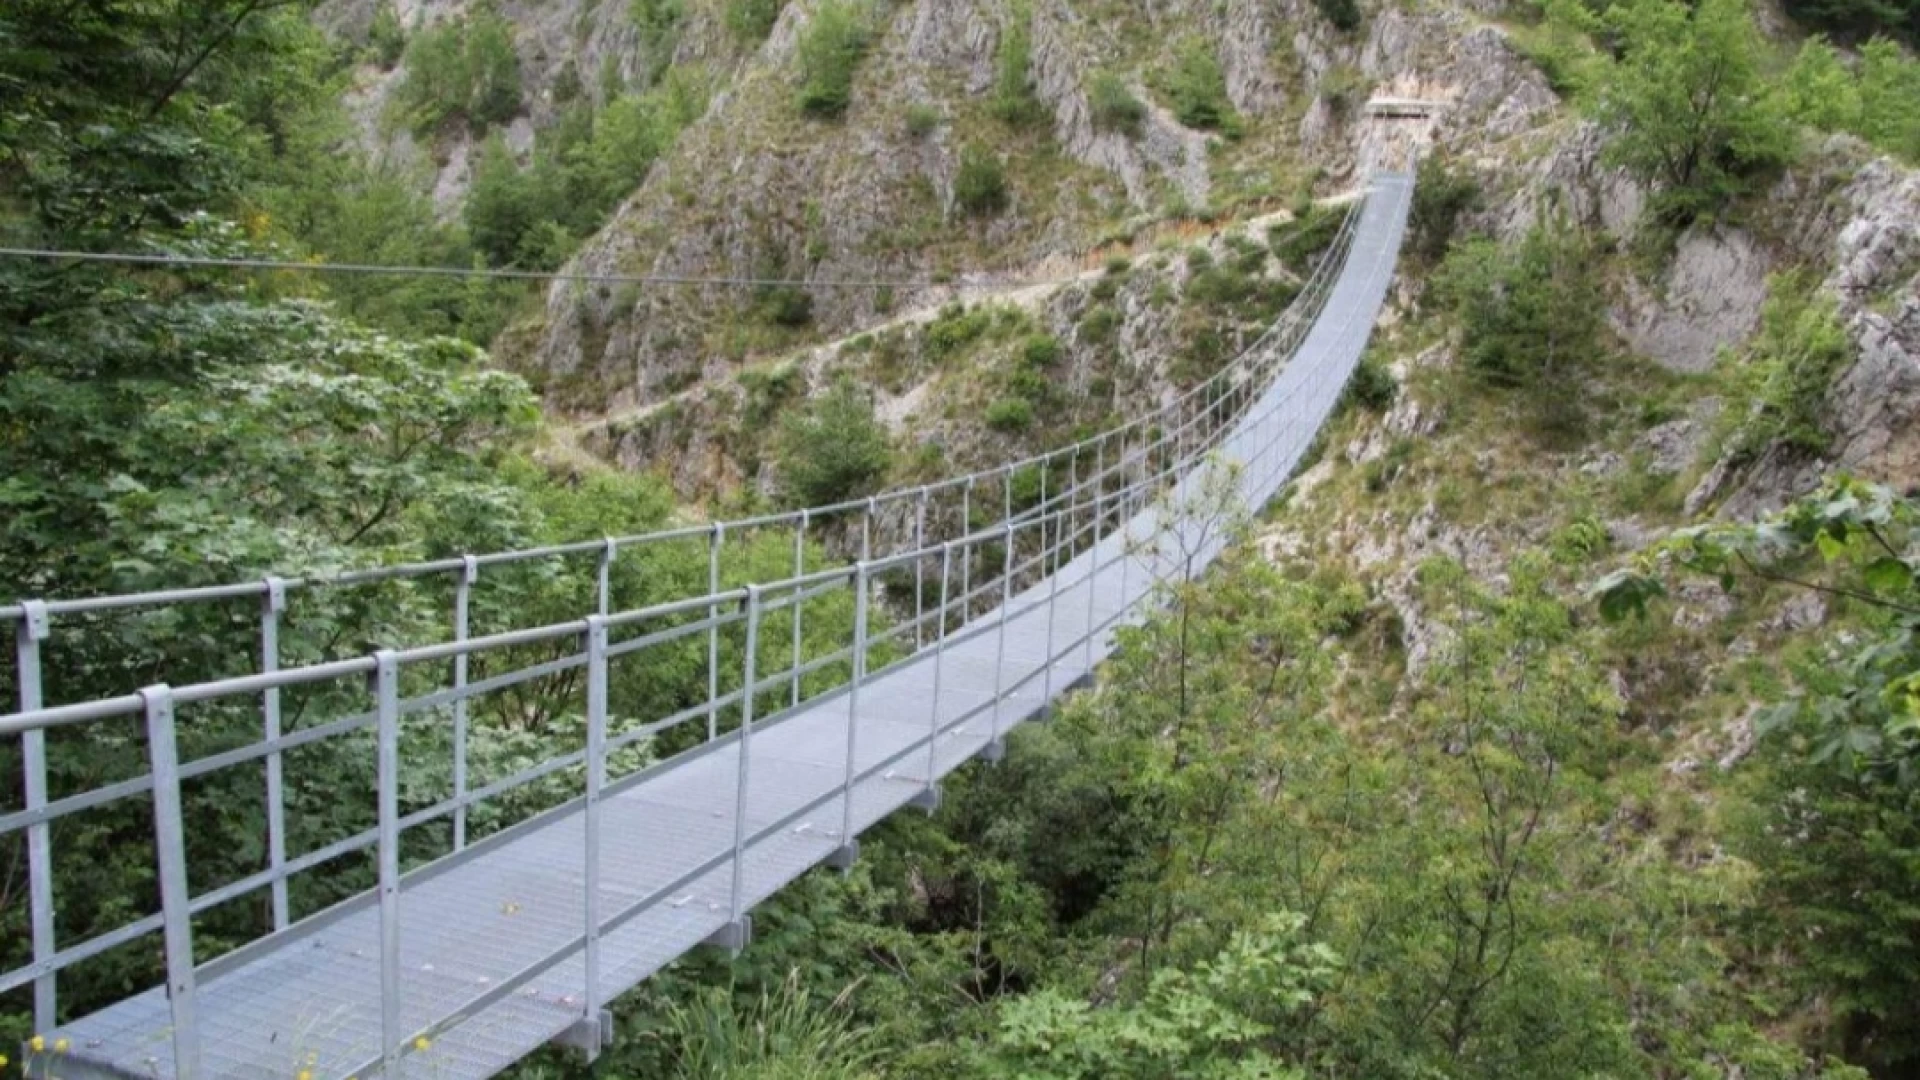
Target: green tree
{"type": "Point", "coordinates": [1855, 20]}
{"type": "Point", "coordinates": [464, 70]}
{"type": "Point", "coordinates": [1196, 88]}
{"type": "Point", "coordinates": [1114, 106]}
{"type": "Point", "coordinates": [831, 45]}
{"type": "Point", "coordinates": [385, 36]}
{"type": "Point", "coordinates": [750, 21]}
{"type": "Point", "coordinates": [980, 185]}
{"type": "Point", "coordinates": [1215, 1023]}
{"type": "Point", "coordinates": [1832, 821]}
{"type": "Point", "coordinates": [1780, 381]}
{"type": "Point", "coordinates": [1691, 109]}
{"type": "Point", "coordinates": [1014, 101]}
{"type": "Point", "coordinates": [1529, 315]}
{"type": "Point", "coordinates": [834, 449]}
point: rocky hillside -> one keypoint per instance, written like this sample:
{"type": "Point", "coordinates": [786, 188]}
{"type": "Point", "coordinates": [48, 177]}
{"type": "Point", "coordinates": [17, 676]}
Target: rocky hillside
{"type": "Point", "coordinates": [1083, 113]}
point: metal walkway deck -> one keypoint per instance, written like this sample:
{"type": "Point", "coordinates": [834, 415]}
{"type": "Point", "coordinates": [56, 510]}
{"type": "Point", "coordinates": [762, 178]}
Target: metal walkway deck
{"type": "Point", "coordinates": [461, 967]}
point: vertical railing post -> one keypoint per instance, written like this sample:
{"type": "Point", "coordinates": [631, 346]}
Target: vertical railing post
{"type": "Point", "coordinates": [1040, 519]}
{"type": "Point", "coordinates": [860, 578]}
{"type": "Point", "coordinates": [966, 559]}
{"type": "Point", "coordinates": [596, 778]}
{"type": "Point", "coordinates": [272, 603]}
{"type": "Point", "coordinates": [714, 540]}
{"type": "Point", "coordinates": [34, 627]}
{"type": "Point", "coordinates": [1093, 561]}
{"type": "Point", "coordinates": [1053, 609]}
{"type": "Point", "coordinates": [919, 568]}
{"type": "Point", "coordinates": [743, 747]}
{"type": "Point", "coordinates": [1006, 502]}
{"type": "Point", "coordinates": [799, 605]}
{"type": "Point", "coordinates": [176, 901]}
{"type": "Point", "coordinates": [939, 662]}
{"type": "Point", "coordinates": [386, 691]}
{"type": "Point", "coordinates": [866, 529]}
{"type": "Point", "coordinates": [1006, 609]}
{"type": "Point", "coordinates": [603, 575]}
{"type": "Point", "coordinates": [462, 628]}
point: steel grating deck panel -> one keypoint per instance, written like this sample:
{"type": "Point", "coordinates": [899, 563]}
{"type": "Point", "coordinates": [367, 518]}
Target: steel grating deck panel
{"type": "Point", "coordinates": [310, 997]}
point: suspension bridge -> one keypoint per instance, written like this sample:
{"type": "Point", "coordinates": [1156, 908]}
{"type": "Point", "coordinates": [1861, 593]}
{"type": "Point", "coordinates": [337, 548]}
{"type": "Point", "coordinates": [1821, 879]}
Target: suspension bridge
{"type": "Point", "coordinates": [459, 962]}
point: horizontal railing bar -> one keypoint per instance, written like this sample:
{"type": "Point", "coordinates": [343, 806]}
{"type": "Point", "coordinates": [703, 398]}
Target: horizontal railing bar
{"type": "Point", "coordinates": [1251, 356]}
{"type": "Point", "coordinates": [73, 804]}
{"type": "Point", "coordinates": [450, 695]}
{"type": "Point", "coordinates": [73, 954]}
{"type": "Point", "coordinates": [671, 633]}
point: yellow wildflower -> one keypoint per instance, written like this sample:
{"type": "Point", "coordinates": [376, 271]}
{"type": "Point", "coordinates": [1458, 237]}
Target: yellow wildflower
{"type": "Point", "coordinates": [37, 1044]}
{"type": "Point", "coordinates": [303, 1074]}
{"type": "Point", "coordinates": [3, 1061]}
{"type": "Point", "coordinates": [421, 1043]}
{"type": "Point", "coordinates": [61, 1046]}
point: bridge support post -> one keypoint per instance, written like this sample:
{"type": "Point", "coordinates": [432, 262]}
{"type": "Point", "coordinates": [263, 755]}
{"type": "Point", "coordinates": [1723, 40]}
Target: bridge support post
{"type": "Point", "coordinates": [734, 937]}
{"type": "Point", "coordinates": [462, 603]}
{"type": "Point", "coordinates": [34, 628]}
{"type": "Point", "coordinates": [589, 1035]}
{"type": "Point", "coordinates": [994, 752]}
{"type": "Point", "coordinates": [272, 604]}
{"type": "Point", "coordinates": [175, 897]}
{"type": "Point", "coordinates": [860, 591]}
{"type": "Point", "coordinates": [844, 856]}
{"type": "Point", "coordinates": [927, 799]}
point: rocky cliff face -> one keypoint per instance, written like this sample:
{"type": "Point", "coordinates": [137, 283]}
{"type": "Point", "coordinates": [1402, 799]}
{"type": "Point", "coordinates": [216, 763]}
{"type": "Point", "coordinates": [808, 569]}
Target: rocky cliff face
{"type": "Point", "coordinates": [755, 190]}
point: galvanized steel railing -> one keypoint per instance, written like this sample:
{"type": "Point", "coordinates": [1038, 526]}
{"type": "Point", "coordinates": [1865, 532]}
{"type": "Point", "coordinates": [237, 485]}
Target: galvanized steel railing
{"type": "Point", "coordinates": [926, 530]}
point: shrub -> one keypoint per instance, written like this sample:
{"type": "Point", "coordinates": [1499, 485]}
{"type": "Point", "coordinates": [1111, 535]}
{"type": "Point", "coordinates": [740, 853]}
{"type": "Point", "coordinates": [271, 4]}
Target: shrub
{"type": "Point", "coordinates": [1855, 20]}
{"type": "Point", "coordinates": [750, 21]}
{"type": "Point", "coordinates": [1298, 242]}
{"type": "Point", "coordinates": [1099, 325]}
{"type": "Point", "coordinates": [1119, 266]}
{"type": "Point", "coordinates": [1343, 14]}
{"type": "Point", "coordinates": [1779, 388]}
{"type": "Point", "coordinates": [922, 119]}
{"type": "Point", "coordinates": [834, 449]}
{"type": "Point", "coordinates": [659, 24]}
{"type": "Point", "coordinates": [956, 328]}
{"type": "Point", "coordinates": [1040, 350]}
{"type": "Point", "coordinates": [1010, 414]}
{"type": "Point", "coordinates": [1114, 106]}
{"type": "Point", "coordinates": [830, 49]}
{"type": "Point", "coordinates": [1196, 88]}
{"type": "Point", "coordinates": [1440, 196]}
{"type": "Point", "coordinates": [385, 36]}
{"type": "Point", "coordinates": [1372, 387]}
{"type": "Point", "coordinates": [1013, 99]}
{"type": "Point", "coordinates": [437, 86]}
{"type": "Point", "coordinates": [787, 305]}
{"type": "Point", "coordinates": [980, 187]}
{"type": "Point", "coordinates": [1530, 316]}
{"type": "Point", "coordinates": [461, 70]}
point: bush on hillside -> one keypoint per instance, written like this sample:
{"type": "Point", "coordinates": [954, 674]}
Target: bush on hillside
{"type": "Point", "coordinates": [1196, 88]}
{"type": "Point", "coordinates": [1114, 106]}
{"type": "Point", "coordinates": [750, 21]}
{"type": "Point", "coordinates": [830, 49]}
{"type": "Point", "coordinates": [980, 187]}
{"type": "Point", "coordinates": [834, 449]}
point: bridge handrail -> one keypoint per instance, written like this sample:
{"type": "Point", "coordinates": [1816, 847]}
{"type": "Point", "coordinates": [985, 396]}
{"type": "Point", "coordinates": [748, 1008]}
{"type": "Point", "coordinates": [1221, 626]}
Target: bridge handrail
{"type": "Point", "coordinates": [451, 564]}
{"type": "Point", "coordinates": [1180, 448]}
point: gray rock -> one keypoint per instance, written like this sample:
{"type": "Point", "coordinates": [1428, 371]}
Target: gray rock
{"type": "Point", "coordinates": [1709, 299]}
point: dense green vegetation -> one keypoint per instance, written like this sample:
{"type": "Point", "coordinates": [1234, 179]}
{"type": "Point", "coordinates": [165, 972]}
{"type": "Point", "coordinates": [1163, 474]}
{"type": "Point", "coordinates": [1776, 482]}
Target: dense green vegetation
{"type": "Point", "coordinates": [461, 70]}
{"type": "Point", "coordinates": [536, 216]}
